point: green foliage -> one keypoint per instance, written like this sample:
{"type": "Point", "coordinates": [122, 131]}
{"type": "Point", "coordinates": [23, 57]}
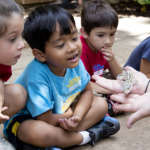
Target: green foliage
{"type": "Point", "coordinates": [143, 2]}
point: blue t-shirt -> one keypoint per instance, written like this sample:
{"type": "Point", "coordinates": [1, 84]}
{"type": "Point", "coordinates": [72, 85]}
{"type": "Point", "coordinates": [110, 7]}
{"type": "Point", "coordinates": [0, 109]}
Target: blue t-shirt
{"type": "Point", "coordinates": [46, 91]}
{"type": "Point", "coordinates": [142, 51]}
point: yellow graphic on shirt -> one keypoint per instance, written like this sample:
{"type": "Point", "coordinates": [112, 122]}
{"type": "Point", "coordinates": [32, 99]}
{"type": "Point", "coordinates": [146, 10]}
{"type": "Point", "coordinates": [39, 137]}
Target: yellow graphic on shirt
{"type": "Point", "coordinates": [73, 82]}
{"type": "Point", "coordinates": [69, 101]}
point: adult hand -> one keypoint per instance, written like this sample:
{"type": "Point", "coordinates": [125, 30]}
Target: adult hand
{"type": "Point", "coordinates": [115, 85]}
{"type": "Point", "coordinates": [138, 105]}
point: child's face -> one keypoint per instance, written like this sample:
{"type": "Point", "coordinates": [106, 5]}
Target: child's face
{"type": "Point", "coordinates": [11, 43]}
{"type": "Point", "coordinates": [63, 51]}
{"type": "Point", "coordinates": [101, 37]}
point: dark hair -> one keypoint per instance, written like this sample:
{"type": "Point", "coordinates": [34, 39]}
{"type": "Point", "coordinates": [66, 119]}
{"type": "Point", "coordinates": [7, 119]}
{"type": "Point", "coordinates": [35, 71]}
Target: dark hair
{"type": "Point", "coordinates": [41, 24]}
{"type": "Point", "coordinates": [7, 7]}
{"type": "Point", "coordinates": [98, 13]}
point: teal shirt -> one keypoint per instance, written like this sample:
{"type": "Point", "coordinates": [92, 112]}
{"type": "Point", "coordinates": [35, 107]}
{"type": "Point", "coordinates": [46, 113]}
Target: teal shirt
{"type": "Point", "coordinates": [46, 91]}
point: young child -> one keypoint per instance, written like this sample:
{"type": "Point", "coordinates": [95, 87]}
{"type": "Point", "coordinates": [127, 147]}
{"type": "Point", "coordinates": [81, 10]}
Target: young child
{"type": "Point", "coordinates": [60, 105]}
{"type": "Point", "coordinates": [12, 96]}
{"type": "Point", "coordinates": [99, 23]}
{"type": "Point", "coordinates": [140, 57]}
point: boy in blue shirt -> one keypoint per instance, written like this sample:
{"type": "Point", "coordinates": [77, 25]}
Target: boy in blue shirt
{"type": "Point", "coordinates": [61, 105]}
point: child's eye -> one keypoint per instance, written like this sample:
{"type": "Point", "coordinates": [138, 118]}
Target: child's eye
{"type": "Point", "coordinates": [75, 39]}
{"type": "Point", "coordinates": [112, 34]}
{"type": "Point", "coordinates": [100, 35]}
{"type": "Point", "coordinates": [60, 45]}
{"type": "Point", "coordinates": [12, 39]}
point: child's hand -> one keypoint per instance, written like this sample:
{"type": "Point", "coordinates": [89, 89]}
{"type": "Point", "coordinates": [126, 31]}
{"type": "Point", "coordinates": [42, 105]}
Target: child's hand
{"type": "Point", "coordinates": [107, 52]}
{"type": "Point", "coordinates": [2, 116]}
{"type": "Point", "coordinates": [70, 124]}
{"type": "Point", "coordinates": [68, 113]}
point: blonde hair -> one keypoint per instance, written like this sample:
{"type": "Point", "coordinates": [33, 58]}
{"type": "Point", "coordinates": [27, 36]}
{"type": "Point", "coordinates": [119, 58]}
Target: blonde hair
{"type": "Point", "coordinates": [7, 7]}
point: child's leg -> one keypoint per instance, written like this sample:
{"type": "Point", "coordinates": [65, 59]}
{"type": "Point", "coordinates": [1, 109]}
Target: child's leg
{"type": "Point", "coordinates": [97, 112]}
{"type": "Point", "coordinates": [42, 134]}
{"type": "Point", "coordinates": [105, 127]}
{"type": "Point", "coordinates": [15, 98]}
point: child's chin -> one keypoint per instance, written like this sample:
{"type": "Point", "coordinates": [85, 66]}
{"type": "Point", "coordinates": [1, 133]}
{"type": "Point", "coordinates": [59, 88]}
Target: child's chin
{"type": "Point", "coordinates": [73, 65]}
{"type": "Point", "coordinates": [13, 63]}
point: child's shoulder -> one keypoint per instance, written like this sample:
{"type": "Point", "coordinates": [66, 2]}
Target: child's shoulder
{"type": "Point", "coordinates": [36, 67]}
{"type": "Point", "coordinates": [35, 63]}
{"type": "Point", "coordinates": [143, 46]}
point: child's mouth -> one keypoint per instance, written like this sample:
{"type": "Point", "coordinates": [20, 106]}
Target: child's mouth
{"type": "Point", "coordinates": [73, 58]}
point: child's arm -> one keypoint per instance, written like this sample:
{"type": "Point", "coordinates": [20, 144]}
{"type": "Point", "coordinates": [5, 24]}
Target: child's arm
{"type": "Point", "coordinates": [84, 102]}
{"type": "Point", "coordinates": [81, 108]}
{"type": "Point", "coordinates": [2, 116]}
{"type": "Point", "coordinates": [144, 67]}
{"type": "Point", "coordinates": [115, 68]}
{"type": "Point", "coordinates": [52, 118]}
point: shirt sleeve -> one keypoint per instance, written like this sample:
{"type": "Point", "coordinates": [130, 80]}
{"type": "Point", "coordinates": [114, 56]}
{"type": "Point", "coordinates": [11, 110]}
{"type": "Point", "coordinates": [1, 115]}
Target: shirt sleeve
{"type": "Point", "coordinates": [146, 51]}
{"type": "Point", "coordinates": [39, 98]}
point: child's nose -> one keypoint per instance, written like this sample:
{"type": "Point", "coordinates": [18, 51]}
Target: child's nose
{"type": "Point", "coordinates": [71, 46]}
{"type": "Point", "coordinates": [21, 45]}
{"type": "Point", "coordinates": [108, 40]}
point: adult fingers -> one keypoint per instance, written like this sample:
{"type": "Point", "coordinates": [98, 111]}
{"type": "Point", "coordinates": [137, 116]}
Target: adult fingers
{"type": "Point", "coordinates": [124, 107]}
{"type": "Point", "coordinates": [120, 98]}
{"type": "Point", "coordinates": [135, 117]}
{"type": "Point", "coordinates": [123, 98]}
{"type": "Point", "coordinates": [112, 85]}
{"type": "Point", "coordinates": [130, 69]}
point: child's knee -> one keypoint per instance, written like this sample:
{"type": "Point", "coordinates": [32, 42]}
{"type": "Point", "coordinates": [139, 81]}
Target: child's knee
{"type": "Point", "coordinates": [17, 94]}
{"type": "Point", "coordinates": [101, 104]}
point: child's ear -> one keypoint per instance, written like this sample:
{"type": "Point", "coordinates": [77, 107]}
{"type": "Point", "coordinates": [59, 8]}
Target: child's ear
{"type": "Point", "coordinates": [39, 55]}
{"type": "Point", "coordinates": [83, 33]}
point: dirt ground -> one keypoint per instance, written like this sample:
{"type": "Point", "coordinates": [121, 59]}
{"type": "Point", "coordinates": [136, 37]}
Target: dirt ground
{"type": "Point", "coordinates": [131, 31]}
